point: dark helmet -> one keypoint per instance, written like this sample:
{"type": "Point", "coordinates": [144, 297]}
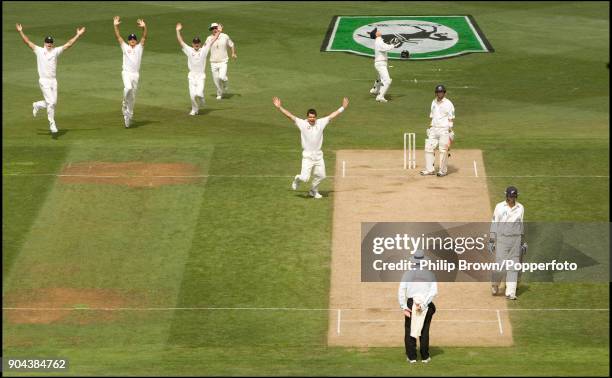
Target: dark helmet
{"type": "Point", "coordinates": [511, 191]}
{"type": "Point", "coordinates": [440, 88]}
{"type": "Point", "coordinates": [48, 39]}
{"type": "Point", "coordinates": [132, 36]}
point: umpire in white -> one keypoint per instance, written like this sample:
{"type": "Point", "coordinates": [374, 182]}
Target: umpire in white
{"type": "Point", "coordinates": [507, 240]}
{"type": "Point", "coordinates": [415, 295]}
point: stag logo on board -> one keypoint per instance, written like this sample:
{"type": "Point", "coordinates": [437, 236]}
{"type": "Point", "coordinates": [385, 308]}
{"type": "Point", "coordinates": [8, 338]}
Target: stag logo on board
{"type": "Point", "coordinates": [425, 37]}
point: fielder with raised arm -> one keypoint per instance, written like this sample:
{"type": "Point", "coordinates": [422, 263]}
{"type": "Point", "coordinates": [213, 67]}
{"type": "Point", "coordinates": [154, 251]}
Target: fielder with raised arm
{"type": "Point", "coordinates": [311, 130]}
{"type": "Point", "coordinates": [132, 56]}
{"type": "Point", "coordinates": [46, 59]}
{"type": "Point", "coordinates": [196, 62]}
{"type": "Point", "coordinates": [440, 134]}
{"type": "Point", "coordinates": [507, 240]}
{"type": "Point", "coordinates": [219, 58]}
{"type": "Point", "coordinates": [381, 85]}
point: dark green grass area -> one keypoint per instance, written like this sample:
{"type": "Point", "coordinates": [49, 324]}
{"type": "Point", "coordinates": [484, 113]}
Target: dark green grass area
{"type": "Point", "coordinates": [538, 108]}
{"type": "Point", "coordinates": [22, 197]}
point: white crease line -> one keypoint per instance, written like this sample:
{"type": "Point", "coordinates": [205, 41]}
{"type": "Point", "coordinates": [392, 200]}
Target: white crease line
{"type": "Point", "coordinates": [289, 176]}
{"type": "Point", "coordinates": [343, 168]}
{"type": "Point", "coordinates": [501, 330]}
{"type": "Point", "coordinates": [276, 309]}
{"type": "Point", "coordinates": [433, 320]}
{"type": "Point", "coordinates": [475, 169]}
{"type": "Point", "coordinates": [339, 316]}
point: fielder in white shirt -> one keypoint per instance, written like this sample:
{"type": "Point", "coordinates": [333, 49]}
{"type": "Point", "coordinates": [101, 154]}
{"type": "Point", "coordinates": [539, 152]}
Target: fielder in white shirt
{"type": "Point", "coordinates": [219, 57]}
{"type": "Point", "coordinates": [132, 56]}
{"type": "Point", "coordinates": [381, 85]}
{"type": "Point", "coordinates": [440, 134]}
{"type": "Point", "coordinates": [311, 130]}
{"type": "Point", "coordinates": [46, 59]}
{"type": "Point", "coordinates": [196, 62]}
{"type": "Point", "coordinates": [507, 240]}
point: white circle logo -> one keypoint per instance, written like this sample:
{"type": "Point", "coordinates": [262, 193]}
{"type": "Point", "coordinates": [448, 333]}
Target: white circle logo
{"type": "Point", "coordinates": [417, 36]}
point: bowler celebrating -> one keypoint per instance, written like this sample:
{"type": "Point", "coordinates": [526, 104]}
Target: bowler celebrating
{"type": "Point", "coordinates": [46, 59]}
{"type": "Point", "coordinates": [132, 56]}
{"type": "Point", "coordinates": [311, 130]}
{"type": "Point", "coordinates": [196, 61]}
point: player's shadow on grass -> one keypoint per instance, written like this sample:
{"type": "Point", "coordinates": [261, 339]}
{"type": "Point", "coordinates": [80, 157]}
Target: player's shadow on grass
{"type": "Point", "coordinates": [54, 136]}
{"type": "Point", "coordinates": [140, 123]}
{"type": "Point", "coordinates": [305, 195]}
{"type": "Point", "coordinates": [435, 351]}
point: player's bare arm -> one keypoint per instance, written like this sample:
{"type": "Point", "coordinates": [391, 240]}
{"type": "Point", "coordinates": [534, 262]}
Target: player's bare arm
{"type": "Point", "coordinates": [79, 32]}
{"type": "Point", "coordinates": [179, 27]}
{"type": "Point", "coordinates": [141, 24]}
{"type": "Point", "coordinates": [116, 22]}
{"type": "Point", "coordinates": [25, 39]}
{"type": "Point", "coordinates": [277, 102]}
{"type": "Point", "coordinates": [345, 103]}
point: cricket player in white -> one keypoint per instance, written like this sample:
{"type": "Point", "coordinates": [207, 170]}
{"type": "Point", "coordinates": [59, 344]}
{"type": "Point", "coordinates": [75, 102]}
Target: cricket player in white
{"type": "Point", "coordinates": [311, 130]}
{"type": "Point", "coordinates": [507, 240]}
{"type": "Point", "coordinates": [132, 56]}
{"type": "Point", "coordinates": [46, 59]}
{"type": "Point", "coordinates": [196, 62]}
{"type": "Point", "coordinates": [219, 57]}
{"type": "Point", "coordinates": [381, 85]}
{"type": "Point", "coordinates": [440, 134]}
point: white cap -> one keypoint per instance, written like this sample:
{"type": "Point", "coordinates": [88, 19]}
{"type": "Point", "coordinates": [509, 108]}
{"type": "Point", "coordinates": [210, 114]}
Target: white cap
{"type": "Point", "coordinates": [213, 25]}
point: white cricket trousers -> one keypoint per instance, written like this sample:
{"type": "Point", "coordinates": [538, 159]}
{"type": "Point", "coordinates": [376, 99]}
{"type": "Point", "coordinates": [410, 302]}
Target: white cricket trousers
{"type": "Point", "coordinates": [310, 160]}
{"type": "Point", "coordinates": [196, 90]}
{"type": "Point", "coordinates": [384, 80]}
{"type": "Point", "coordinates": [219, 74]}
{"type": "Point", "coordinates": [507, 248]}
{"type": "Point", "coordinates": [49, 91]}
{"type": "Point", "coordinates": [437, 137]}
{"type": "Point", "coordinates": [130, 86]}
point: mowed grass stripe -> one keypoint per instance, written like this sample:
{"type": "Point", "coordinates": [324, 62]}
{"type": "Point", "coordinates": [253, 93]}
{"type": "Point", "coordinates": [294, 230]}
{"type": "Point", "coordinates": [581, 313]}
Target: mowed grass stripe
{"type": "Point", "coordinates": [251, 251]}
{"type": "Point", "coordinates": [124, 244]}
{"type": "Point", "coordinates": [24, 196]}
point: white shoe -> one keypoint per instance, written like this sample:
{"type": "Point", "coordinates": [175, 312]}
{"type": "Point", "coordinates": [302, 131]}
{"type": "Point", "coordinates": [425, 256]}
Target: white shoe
{"type": "Point", "coordinates": [314, 194]}
{"type": "Point", "coordinates": [193, 112]}
{"type": "Point", "coordinates": [381, 99]}
{"type": "Point", "coordinates": [440, 174]}
{"type": "Point", "coordinates": [511, 297]}
{"type": "Point", "coordinates": [494, 289]}
{"type": "Point", "coordinates": [427, 360]}
{"type": "Point", "coordinates": [53, 128]}
{"type": "Point", "coordinates": [219, 97]}
{"type": "Point", "coordinates": [296, 181]}
{"type": "Point", "coordinates": [428, 173]}
{"type": "Point", "coordinates": [34, 109]}
{"type": "Point", "coordinates": [411, 361]}
{"type": "Point", "coordinates": [126, 120]}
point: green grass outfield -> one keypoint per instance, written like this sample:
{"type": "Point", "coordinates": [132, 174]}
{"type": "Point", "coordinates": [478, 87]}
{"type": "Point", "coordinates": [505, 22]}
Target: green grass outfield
{"type": "Point", "coordinates": [538, 106]}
